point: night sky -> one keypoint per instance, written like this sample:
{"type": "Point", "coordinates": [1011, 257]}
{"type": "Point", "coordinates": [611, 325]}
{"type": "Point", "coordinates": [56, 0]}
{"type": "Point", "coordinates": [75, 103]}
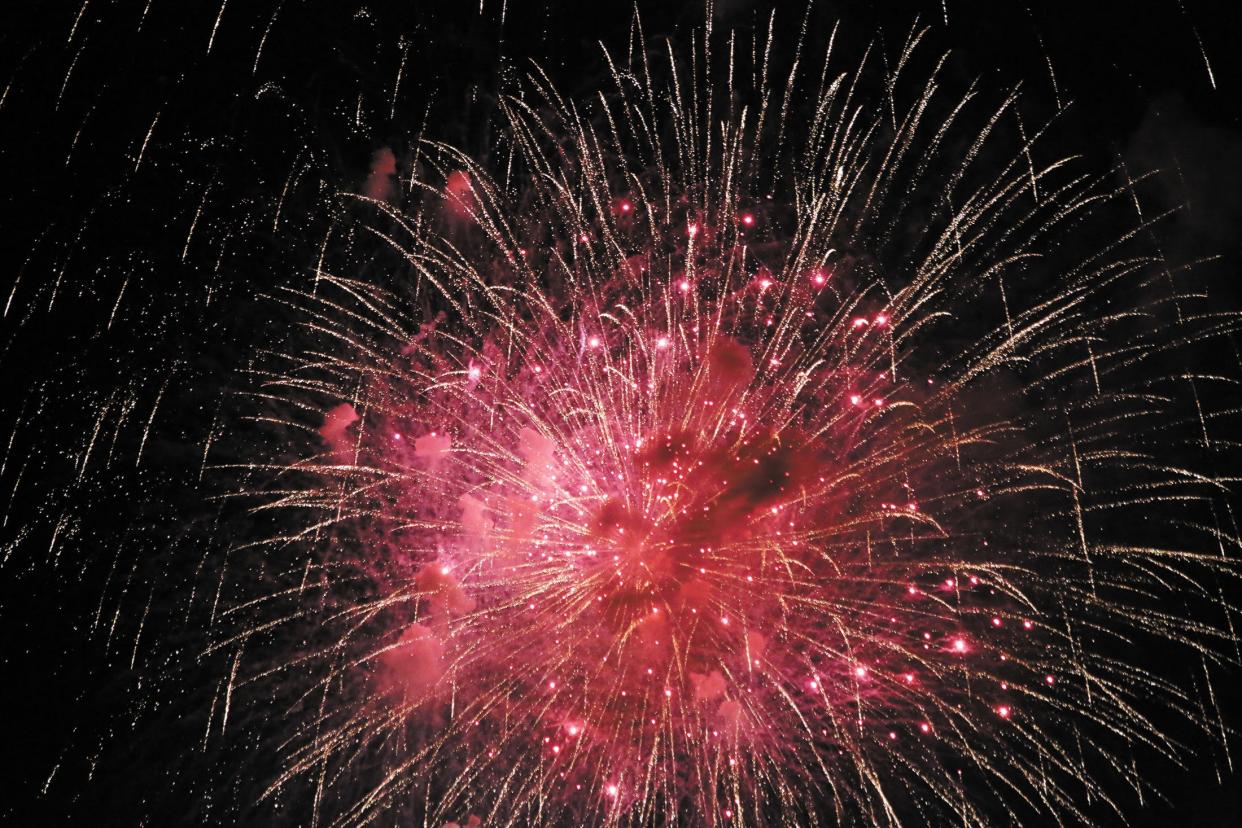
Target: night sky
{"type": "Point", "coordinates": [143, 145]}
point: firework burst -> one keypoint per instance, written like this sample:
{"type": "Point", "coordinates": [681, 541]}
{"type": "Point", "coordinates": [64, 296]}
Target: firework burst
{"type": "Point", "coordinates": [728, 455]}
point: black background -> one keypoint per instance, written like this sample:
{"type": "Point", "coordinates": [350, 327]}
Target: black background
{"type": "Point", "coordinates": [93, 208]}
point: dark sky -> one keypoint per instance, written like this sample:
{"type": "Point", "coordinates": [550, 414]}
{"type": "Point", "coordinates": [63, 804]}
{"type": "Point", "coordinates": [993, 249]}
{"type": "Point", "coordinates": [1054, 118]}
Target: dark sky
{"type": "Point", "coordinates": [141, 142]}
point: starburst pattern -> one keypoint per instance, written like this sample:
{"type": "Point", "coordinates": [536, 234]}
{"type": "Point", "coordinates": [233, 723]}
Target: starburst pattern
{"type": "Point", "coordinates": [810, 461]}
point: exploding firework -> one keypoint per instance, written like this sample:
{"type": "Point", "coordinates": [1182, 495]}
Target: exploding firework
{"type": "Point", "coordinates": [717, 455]}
